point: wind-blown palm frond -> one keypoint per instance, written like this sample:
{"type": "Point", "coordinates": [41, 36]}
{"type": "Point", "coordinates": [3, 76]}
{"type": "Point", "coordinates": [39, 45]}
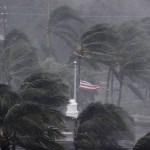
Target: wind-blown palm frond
{"type": "Point", "coordinates": [67, 34]}
{"type": "Point", "coordinates": [18, 60]}
{"type": "Point", "coordinates": [31, 123]}
{"type": "Point", "coordinates": [143, 143]}
{"type": "Point", "coordinates": [63, 13]}
{"type": "Point", "coordinates": [99, 111]}
{"type": "Point", "coordinates": [99, 43]}
{"type": "Point", "coordinates": [7, 99]}
{"type": "Point", "coordinates": [30, 116]}
{"type": "Point", "coordinates": [40, 124]}
{"type": "Point", "coordinates": [44, 88]}
{"type": "Point", "coordinates": [105, 125]}
{"type": "Point", "coordinates": [99, 33]}
{"type": "Point", "coordinates": [14, 36]}
{"type": "Point", "coordinates": [59, 25]}
{"type": "Point", "coordinates": [65, 39]}
{"type": "Point", "coordinates": [66, 27]}
{"type": "Point", "coordinates": [31, 143]}
{"type": "Point", "coordinates": [122, 49]}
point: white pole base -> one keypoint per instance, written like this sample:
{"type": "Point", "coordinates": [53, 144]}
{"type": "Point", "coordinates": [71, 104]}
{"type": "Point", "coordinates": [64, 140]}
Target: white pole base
{"type": "Point", "coordinates": [72, 109]}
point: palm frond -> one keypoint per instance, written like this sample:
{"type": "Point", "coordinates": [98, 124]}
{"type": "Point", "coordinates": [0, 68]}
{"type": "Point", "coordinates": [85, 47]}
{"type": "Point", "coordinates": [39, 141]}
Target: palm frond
{"type": "Point", "coordinates": [8, 97]}
{"type": "Point", "coordinates": [68, 28]}
{"type": "Point", "coordinates": [65, 33]}
{"type": "Point", "coordinates": [34, 144]}
{"type": "Point", "coordinates": [15, 35]}
{"type": "Point", "coordinates": [143, 143]}
{"type": "Point", "coordinates": [63, 13]}
{"type": "Point", "coordinates": [44, 88]}
{"type": "Point", "coordinates": [104, 124]}
{"type": "Point", "coordinates": [65, 39]}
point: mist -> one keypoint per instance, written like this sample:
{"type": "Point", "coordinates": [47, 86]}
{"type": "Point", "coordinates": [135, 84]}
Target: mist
{"type": "Point", "coordinates": [54, 46]}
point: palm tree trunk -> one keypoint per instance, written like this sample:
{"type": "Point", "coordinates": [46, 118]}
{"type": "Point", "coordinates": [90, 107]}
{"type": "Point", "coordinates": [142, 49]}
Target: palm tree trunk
{"type": "Point", "coordinates": [75, 147]}
{"type": "Point", "coordinates": [107, 85]}
{"type": "Point", "coordinates": [112, 86]}
{"type": "Point", "coordinates": [14, 145]}
{"type": "Point", "coordinates": [51, 51]}
{"type": "Point", "coordinates": [4, 145]}
{"type": "Point", "coordinates": [120, 90]}
{"type": "Point", "coordinates": [146, 94]}
{"type": "Point", "coordinates": [3, 71]}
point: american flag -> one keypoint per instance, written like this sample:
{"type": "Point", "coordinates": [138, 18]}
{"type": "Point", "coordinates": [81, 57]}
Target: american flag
{"type": "Point", "coordinates": [88, 86]}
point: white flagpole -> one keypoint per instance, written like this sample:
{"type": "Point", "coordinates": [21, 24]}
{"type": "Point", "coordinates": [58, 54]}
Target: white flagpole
{"type": "Point", "coordinates": [75, 80]}
{"type": "Point", "coordinates": [72, 110]}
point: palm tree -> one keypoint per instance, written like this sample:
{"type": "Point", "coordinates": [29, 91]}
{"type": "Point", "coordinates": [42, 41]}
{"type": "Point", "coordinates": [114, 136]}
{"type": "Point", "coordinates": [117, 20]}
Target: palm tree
{"type": "Point", "coordinates": [143, 143]}
{"type": "Point", "coordinates": [58, 25]}
{"type": "Point", "coordinates": [18, 58]}
{"type": "Point", "coordinates": [44, 88]}
{"type": "Point", "coordinates": [33, 120]}
{"type": "Point", "coordinates": [7, 98]}
{"type": "Point", "coordinates": [101, 126]}
{"type": "Point", "coordinates": [132, 55]}
{"type": "Point", "coordinates": [123, 50]}
{"type": "Point", "coordinates": [99, 44]}
{"type": "Point", "coordinates": [26, 125]}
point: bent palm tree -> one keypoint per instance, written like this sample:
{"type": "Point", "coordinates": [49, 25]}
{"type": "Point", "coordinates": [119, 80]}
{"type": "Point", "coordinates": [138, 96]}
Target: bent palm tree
{"type": "Point", "coordinates": [101, 126]}
{"type": "Point", "coordinates": [58, 26]}
{"type": "Point", "coordinates": [7, 99]}
{"type": "Point", "coordinates": [143, 143]}
{"type": "Point", "coordinates": [44, 88]}
{"type": "Point", "coordinates": [26, 125]}
{"type": "Point", "coordinates": [99, 45]}
{"type": "Point", "coordinates": [19, 58]}
{"type": "Point", "coordinates": [133, 57]}
{"type": "Point", "coordinates": [124, 51]}
{"type": "Point", "coordinates": [31, 123]}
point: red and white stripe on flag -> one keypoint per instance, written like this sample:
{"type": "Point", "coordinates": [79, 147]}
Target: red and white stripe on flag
{"type": "Point", "coordinates": [88, 86]}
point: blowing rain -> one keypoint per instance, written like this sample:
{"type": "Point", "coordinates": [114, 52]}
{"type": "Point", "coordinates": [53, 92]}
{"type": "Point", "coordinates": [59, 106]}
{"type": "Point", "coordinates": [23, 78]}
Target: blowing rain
{"type": "Point", "coordinates": [74, 75]}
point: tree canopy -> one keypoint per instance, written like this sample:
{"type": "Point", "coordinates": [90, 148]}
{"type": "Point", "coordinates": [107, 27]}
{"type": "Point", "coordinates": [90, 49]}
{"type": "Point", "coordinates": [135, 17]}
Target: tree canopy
{"type": "Point", "coordinates": [100, 126]}
{"type": "Point", "coordinates": [18, 58]}
{"type": "Point", "coordinates": [30, 117]}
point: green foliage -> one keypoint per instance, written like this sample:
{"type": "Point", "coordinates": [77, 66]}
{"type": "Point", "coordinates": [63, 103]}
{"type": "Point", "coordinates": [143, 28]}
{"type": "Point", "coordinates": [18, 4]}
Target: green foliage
{"type": "Point", "coordinates": [143, 143]}
{"type": "Point", "coordinates": [31, 143]}
{"type": "Point", "coordinates": [104, 124]}
{"type": "Point", "coordinates": [30, 123]}
{"type": "Point", "coordinates": [18, 58]}
{"type": "Point", "coordinates": [32, 120]}
{"type": "Point", "coordinates": [98, 43]}
{"type": "Point", "coordinates": [7, 99]}
{"type": "Point", "coordinates": [14, 36]}
{"type": "Point", "coordinates": [44, 88]}
{"type": "Point", "coordinates": [59, 26]}
{"type": "Point", "coordinates": [134, 55]}
{"type": "Point", "coordinates": [124, 49]}
{"type": "Point", "coordinates": [63, 71]}
{"type": "Point", "coordinates": [63, 13]}
{"type": "Point", "coordinates": [133, 48]}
